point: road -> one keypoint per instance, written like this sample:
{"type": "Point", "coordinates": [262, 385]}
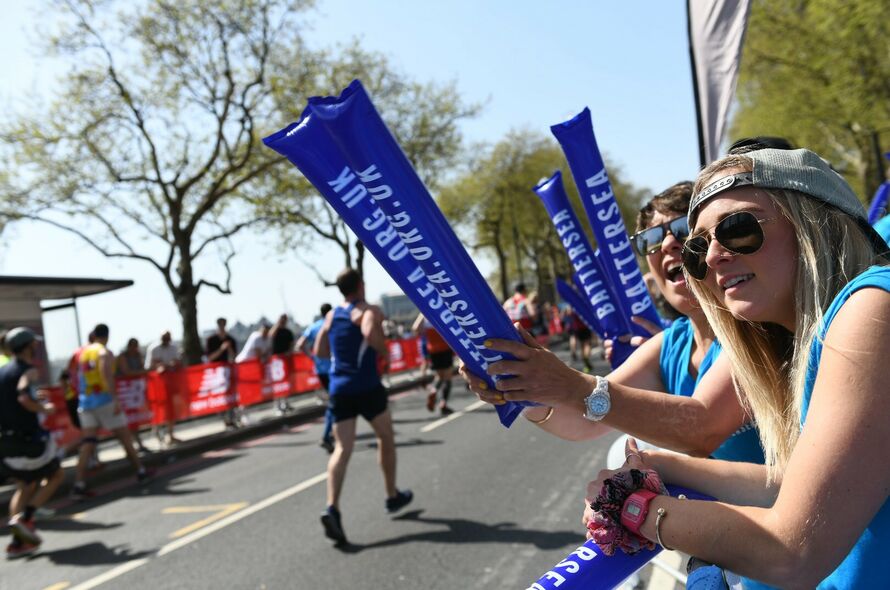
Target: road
{"type": "Point", "coordinates": [493, 508]}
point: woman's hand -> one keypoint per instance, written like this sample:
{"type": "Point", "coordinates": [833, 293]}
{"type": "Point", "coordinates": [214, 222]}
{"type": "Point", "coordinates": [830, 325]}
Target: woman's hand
{"type": "Point", "coordinates": [633, 460]}
{"type": "Point", "coordinates": [536, 375]}
{"type": "Point", "coordinates": [478, 386]}
{"type": "Point", "coordinates": [609, 344]}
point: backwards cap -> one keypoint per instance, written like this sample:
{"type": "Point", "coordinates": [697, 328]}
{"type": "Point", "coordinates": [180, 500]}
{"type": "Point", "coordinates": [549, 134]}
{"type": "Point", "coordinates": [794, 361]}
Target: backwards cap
{"type": "Point", "coordinates": [800, 170]}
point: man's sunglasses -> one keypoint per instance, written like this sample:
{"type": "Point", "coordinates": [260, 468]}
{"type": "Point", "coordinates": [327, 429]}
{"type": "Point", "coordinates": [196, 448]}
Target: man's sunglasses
{"type": "Point", "coordinates": [740, 233]}
{"type": "Point", "coordinates": [649, 240]}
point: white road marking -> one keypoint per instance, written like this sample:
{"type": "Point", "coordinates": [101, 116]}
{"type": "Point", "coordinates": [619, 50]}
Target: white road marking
{"type": "Point", "coordinates": [454, 416]}
{"type": "Point", "coordinates": [201, 533]}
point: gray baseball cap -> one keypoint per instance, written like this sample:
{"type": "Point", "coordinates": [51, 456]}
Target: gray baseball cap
{"type": "Point", "coordinates": [800, 170]}
{"type": "Point", "coordinates": [18, 338]}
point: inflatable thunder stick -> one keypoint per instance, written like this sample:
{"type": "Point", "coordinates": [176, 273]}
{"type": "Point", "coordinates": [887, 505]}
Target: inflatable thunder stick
{"type": "Point", "coordinates": [878, 207]}
{"type": "Point", "coordinates": [619, 262]}
{"type": "Point", "coordinates": [587, 568]}
{"type": "Point", "coordinates": [309, 147]}
{"type": "Point", "coordinates": [385, 173]}
{"type": "Point", "coordinates": [589, 276]}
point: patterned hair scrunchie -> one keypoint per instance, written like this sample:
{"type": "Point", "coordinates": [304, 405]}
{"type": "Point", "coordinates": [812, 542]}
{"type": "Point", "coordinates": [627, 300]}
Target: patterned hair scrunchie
{"type": "Point", "coordinates": [605, 526]}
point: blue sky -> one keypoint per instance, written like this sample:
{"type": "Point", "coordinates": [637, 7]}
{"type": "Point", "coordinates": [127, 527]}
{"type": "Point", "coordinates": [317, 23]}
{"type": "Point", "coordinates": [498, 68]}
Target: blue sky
{"type": "Point", "coordinates": [532, 63]}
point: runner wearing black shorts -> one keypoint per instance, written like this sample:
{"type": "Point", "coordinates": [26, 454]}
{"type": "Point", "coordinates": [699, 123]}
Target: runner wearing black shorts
{"type": "Point", "coordinates": [27, 453]}
{"type": "Point", "coordinates": [352, 335]}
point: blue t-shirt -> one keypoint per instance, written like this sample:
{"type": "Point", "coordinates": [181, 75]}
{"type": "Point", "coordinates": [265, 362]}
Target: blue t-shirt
{"type": "Point", "coordinates": [353, 361]}
{"type": "Point", "coordinates": [676, 352]}
{"type": "Point", "coordinates": [882, 226]}
{"type": "Point", "coordinates": [865, 565]}
{"type": "Point", "coordinates": [322, 366]}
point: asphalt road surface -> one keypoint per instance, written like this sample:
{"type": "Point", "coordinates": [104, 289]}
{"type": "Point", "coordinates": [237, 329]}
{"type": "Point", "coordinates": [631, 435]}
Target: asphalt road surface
{"type": "Point", "coordinates": [493, 508]}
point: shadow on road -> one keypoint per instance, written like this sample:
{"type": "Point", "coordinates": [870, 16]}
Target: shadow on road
{"type": "Point", "coordinates": [411, 442]}
{"type": "Point", "coordinates": [460, 530]}
{"type": "Point", "coordinates": [90, 554]}
{"type": "Point", "coordinates": [168, 481]}
{"type": "Point", "coordinates": [71, 525]}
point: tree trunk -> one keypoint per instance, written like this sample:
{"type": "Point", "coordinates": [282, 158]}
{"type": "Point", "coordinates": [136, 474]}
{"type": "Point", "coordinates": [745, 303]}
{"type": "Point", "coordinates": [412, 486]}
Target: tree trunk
{"type": "Point", "coordinates": [186, 296]}
{"type": "Point", "coordinates": [359, 257]}
{"type": "Point", "coordinates": [187, 303]}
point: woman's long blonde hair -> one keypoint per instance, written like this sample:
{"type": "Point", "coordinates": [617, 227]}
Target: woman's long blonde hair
{"type": "Point", "coordinates": [769, 364]}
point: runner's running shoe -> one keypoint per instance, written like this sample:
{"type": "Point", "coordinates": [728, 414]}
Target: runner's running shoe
{"type": "Point", "coordinates": [25, 530]}
{"type": "Point", "coordinates": [333, 529]}
{"type": "Point", "coordinates": [399, 501]}
{"type": "Point", "coordinates": [20, 549]}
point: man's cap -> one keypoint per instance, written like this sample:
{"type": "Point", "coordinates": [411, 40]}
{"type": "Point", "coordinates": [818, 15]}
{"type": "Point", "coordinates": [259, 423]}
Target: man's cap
{"type": "Point", "coordinates": [18, 338]}
{"type": "Point", "coordinates": [800, 170]}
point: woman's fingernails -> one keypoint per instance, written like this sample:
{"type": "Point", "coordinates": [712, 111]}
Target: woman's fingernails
{"type": "Point", "coordinates": [487, 343]}
{"type": "Point", "coordinates": [483, 386]}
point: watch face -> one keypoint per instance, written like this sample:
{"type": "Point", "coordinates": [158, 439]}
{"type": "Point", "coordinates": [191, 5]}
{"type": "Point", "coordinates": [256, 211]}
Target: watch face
{"type": "Point", "coordinates": [598, 405]}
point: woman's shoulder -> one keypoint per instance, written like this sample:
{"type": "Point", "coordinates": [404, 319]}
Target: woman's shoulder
{"type": "Point", "coordinates": [872, 277]}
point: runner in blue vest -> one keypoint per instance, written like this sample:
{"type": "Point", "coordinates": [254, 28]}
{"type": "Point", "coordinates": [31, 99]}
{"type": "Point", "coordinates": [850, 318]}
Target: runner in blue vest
{"type": "Point", "coordinates": [797, 288]}
{"type": "Point", "coordinates": [352, 336]}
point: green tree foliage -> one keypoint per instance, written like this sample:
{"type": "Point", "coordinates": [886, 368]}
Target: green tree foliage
{"type": "Point", "coordinates": [149, 147]}
{"type": "Point", "coordinates": [494, 206]}
{"type": "Point", "coordinates": [818, 72]}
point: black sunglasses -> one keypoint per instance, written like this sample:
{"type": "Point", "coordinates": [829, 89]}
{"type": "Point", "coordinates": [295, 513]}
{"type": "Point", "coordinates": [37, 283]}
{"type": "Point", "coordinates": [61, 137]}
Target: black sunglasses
{"type": "Point", "coordinates": [740, 233]}
{"type": "Point", "coordinates": [649, 240]}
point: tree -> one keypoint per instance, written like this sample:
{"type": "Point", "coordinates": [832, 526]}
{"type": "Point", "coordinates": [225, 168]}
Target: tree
{"type": "Point", "coordinates": [150, 147]}
{"type": "Point", "coordinates": [816, 71]}
{"type": "Point", "coordinates": [494, 204]}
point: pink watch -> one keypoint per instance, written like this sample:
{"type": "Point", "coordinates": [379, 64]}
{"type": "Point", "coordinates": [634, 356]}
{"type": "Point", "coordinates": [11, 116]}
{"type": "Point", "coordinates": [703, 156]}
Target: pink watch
{"type": "Point", "coordinates": [635, 509]}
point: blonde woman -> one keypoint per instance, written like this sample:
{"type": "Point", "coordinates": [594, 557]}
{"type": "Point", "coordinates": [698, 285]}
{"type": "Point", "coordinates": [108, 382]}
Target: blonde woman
{"type": "Point", "coordinates": [793, 281]}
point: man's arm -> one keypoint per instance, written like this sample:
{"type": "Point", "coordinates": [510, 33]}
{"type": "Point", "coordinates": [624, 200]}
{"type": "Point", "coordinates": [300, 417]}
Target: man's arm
{"type": "Point", "coordinates": [372, 329]}
{"type": "Point", "coordinates": [106, 367]}
{"type": "Point", "coordinates": [24, 397]}
{"type": "Point", "coordinates": [151, 362]}
{"type": "Point", "coordinates": [322, 348]}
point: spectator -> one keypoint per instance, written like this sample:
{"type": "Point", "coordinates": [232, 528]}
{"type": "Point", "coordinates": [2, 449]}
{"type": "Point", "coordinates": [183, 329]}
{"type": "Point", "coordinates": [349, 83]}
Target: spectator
{"type": "Point", "coordinates": [161, 357]}
{"type": "Point", "coordinates": [130, 362]}
{"type": "Point", "coordinates": [258, 345]}
{"type": "Point", "coordinates": [221, 347]}
{"type": "Point", "coordinates": [282, 344]}
{"type": "Point", "coordinates": [27, 453]}
{"type": "Point", "coordinates": [164, 355]}
{"type": "Point", "coordinates": [100, 408]}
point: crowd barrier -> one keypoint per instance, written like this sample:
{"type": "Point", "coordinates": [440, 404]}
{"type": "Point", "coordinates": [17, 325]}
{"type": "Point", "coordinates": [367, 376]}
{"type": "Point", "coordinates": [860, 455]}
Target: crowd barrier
{"type": "Point", "coordinates": [211, 388]}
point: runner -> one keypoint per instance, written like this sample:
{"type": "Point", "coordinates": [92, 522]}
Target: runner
{"type": "Point", "coordinates": [27, 452]}
{"type": "Point", "coordinates": [442, 361]}
{"type": "Point", "coordinates": [100, 408]}
{"type": "Point", "coordinates": [352, 336]}
{"type": "Point", "coordinates": [306, 343]}
{"type": "Point", "coordinates": [519, 308]}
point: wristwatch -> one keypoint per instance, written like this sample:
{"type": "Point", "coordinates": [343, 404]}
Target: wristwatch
{"type": "Point", "coordinates": [635, 509]}
{"type": "Point", "coordinates": [598, 403]}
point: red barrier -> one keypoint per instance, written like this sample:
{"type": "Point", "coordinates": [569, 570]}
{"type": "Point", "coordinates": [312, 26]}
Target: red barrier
{"type": "Point", "coordinates": [202, 390]}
